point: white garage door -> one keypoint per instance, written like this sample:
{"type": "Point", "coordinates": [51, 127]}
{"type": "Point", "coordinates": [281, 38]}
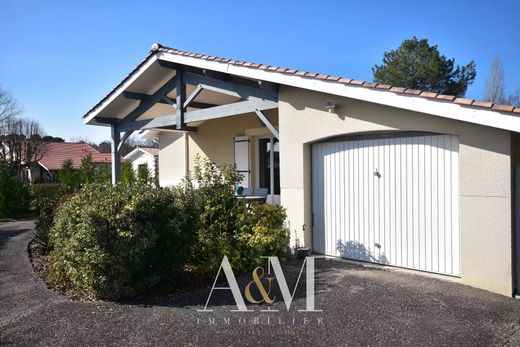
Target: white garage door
{"type": "Point", "coordinates": [390, 200]}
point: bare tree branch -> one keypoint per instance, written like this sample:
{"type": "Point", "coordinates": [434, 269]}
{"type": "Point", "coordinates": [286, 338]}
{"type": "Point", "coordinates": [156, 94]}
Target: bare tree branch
{"type": "Point", "coordinates": [495, 87]}
{"type": "Point", "coordinates": [21, 142]}
{"type": "Point", "coordinates": [8, 106]}
{"type": "Point", "coordinates": [514, 98]}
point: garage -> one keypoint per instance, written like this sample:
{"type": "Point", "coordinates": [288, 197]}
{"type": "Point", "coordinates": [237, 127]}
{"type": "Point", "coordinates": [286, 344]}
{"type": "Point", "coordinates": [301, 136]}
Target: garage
{"type": "Point", "coordinates": [389, 199]}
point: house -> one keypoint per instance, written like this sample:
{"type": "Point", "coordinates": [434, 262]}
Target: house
{"type": "Point", "coordinates": [368, 172]}
{"type": "Point", "coordinates": [144, 156]}
{"type": "Point", "coordinates": [53, 154]}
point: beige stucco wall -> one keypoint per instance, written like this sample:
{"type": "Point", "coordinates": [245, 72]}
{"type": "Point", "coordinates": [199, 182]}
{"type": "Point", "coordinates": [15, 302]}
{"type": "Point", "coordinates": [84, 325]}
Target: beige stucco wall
{"type": "Point", "coordinates": [485, 184]}
{"type": "Point", "coordinates": [214, 140]}
{"type": "Point", "coordinates": [172, 157]}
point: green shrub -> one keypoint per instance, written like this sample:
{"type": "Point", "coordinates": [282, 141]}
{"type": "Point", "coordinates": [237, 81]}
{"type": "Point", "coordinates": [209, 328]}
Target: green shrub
{"type": "Point", "coordinates": [15, 196]}
{"type": "Point", "coordinates": [226, 226]}
{"type": "Point", "coordinates": [68, 176]}
{"type": "Point", "coordinates": [46, 198]}
{"type": "Point", "coordinates": [127, 173]}
{"type": "Point", "coordinates": [103, 173]}
{"type": "Point", "coordinates": [264, 233]}
{"type": "Point", "coordinates": [87, 170]}
{"type": "Point", "coordinates": [114, 242]}
{"type": "Point", "coordinates": [143, 174]}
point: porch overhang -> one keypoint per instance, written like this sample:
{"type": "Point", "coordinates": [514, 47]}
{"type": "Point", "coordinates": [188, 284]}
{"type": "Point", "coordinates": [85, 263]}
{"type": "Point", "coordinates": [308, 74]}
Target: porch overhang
{"type": "Point", "coordinates": [150, 96]}
{"type": "Point", "coordinates": [160, 95]}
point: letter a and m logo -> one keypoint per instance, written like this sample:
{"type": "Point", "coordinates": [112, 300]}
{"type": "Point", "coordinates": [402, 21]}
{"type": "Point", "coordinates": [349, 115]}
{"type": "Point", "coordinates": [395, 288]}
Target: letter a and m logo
{"type": "Point", "coordinates": [258, 273]}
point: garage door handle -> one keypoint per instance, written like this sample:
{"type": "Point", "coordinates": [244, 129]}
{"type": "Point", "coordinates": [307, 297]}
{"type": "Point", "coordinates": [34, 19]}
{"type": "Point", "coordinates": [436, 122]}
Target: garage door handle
{"type": "Point", "coordinates": [377, 174]}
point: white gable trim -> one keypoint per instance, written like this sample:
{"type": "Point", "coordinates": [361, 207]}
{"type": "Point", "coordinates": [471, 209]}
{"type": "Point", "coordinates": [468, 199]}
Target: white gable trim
{"type": "Point", "coordinates": [446, 109]}
{"type": "Point", "coordinates": [137, 152]}
{"type": "Point", "coordinates": [120, 89]}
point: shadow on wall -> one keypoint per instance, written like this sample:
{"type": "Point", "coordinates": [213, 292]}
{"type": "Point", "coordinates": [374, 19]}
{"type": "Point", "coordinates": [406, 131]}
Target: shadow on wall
{"type": "Point", "coordinates": [358, 251]}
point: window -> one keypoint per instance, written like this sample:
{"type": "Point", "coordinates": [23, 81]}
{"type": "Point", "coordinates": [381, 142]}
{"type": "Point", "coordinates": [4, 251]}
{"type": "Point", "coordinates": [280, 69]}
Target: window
{"type": "Point", "coordinates": [269, 164]}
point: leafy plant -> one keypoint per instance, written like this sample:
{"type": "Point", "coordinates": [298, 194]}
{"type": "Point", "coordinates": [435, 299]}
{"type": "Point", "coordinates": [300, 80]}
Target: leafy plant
{"type": "Point", "coordinates": [87, 170]}
{"type": "Point", "coordinates": [113, 242]}
{"type": "Point", "coordinates": [68, 175]}
{"type": "Point", "coordinates": [46, 199]}
{"type": "Point", "coordinates": [127, 173]}
{"type": "Point", "coordinates": [15, 195]}
{"type": "Point", "coordinates": [143, 174]}
{"type": "Point", "coordinates": [226, 226]}
{"type": "Point", "coordinates": [103, 174]}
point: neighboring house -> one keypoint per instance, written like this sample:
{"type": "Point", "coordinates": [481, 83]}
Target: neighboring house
{"type": "Point", "coordinates": [365, 171]}
{"type": "Point", "coordinates": [144, 156]}
{"type": "Point", "coordinates": [53, 155]}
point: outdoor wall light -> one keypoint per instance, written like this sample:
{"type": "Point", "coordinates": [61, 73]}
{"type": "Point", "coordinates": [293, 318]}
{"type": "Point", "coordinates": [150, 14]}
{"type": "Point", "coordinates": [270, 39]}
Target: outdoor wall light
{"type": "Point", "coordinates": [330, 105]}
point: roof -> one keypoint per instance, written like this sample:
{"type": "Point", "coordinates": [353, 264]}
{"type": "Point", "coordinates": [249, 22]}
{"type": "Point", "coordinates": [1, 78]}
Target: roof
{"type": "Point", "coordinates": [152, 151]}
{"type": "Point", "coordinates": [342, 80]}
{"type": "Point", "coordinates": [357, 89]}
{"type": "Point", "coordinates": [55, 153]}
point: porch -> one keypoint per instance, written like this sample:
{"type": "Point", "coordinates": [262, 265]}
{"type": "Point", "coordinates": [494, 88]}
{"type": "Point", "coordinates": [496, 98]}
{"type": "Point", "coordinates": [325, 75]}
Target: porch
{"type": "Point", "coordinates": [243, 141]}
{"type": "Point", "coordinates": [194, 111]}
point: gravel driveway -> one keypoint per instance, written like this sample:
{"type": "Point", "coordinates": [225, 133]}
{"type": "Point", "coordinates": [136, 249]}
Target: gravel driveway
{"type": "Point", "coordinates": [361, 306]}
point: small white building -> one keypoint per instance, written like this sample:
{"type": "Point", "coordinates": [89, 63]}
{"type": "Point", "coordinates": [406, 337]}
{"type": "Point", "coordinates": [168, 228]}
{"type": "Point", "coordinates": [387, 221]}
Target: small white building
{"type": "Point", "coordinates": [141, 156]}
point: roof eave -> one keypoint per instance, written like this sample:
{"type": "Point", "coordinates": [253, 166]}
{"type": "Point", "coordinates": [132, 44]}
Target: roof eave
{"type": "Point", "coordinates": [411, 102]}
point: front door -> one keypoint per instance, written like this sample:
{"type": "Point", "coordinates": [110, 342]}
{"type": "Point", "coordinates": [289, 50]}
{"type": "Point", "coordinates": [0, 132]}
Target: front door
{"type": "Point", "coordinates": [268, 167]}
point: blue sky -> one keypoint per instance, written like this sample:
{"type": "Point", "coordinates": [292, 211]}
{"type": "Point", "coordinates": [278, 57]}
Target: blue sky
{"type": "Point", "coordinates": [58, 58]}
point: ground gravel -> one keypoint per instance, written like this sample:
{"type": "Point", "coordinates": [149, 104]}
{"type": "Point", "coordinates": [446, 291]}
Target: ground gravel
{"type": "Point", "coordinates": [361, 306]}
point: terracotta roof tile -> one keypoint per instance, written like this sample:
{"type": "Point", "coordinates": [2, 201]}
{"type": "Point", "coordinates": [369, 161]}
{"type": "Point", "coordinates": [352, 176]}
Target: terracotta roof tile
{"type": "Point", "coordinates": [344, 80]}
{"type": "Point", "coordinates": [151, 150]}
{"type": "Point", "coordinates": [357, 82]}
{"type": "Point", "coordinates": [397, 89]}
{"type": "Point", "coordinates": [429, 94]}
{"type": "Point", "coordinates": [412, 91]}
{"type": "Point", "coordinates": [483, 104]}
{"type": "Point", "coordinates": [445, 97]}
{"type": "Point", "coordinates": [370, 84]}
{"type": "Point", "coordinates": [505, 108]}
{"type": "Point", "coordinates": [55, 153]}
{"type": "Point", "coordinates": [333, 78]}
{"type": "Point", "coordinates": [463, 101]}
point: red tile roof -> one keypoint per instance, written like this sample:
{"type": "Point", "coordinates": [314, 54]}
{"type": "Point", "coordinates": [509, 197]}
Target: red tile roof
{"type": "Point", "coordinates": [151, 150]}
{"type": "Point", "coordinates": [156, 48]}
{"type": "Point", "coordinates": [55, 153]}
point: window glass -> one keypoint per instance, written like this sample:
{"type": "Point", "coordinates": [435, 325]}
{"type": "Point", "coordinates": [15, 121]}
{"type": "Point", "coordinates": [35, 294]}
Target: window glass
{"type": "Point", "coordinates": [264, 163]}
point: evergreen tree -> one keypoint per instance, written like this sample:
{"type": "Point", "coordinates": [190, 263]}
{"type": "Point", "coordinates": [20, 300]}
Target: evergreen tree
{"type": "Point", "coordinates": [103, 174]}
{"type": "Point", "coordinates": [67, 175]}
{"type": "Point", "coordinates": [127, 173]}
{"type": "Point", "coordinates": [87, 170]}
{"type": "Point", "coordinates": [417, 65]}
{"type": "Point", "coordinates": [143, 174]}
